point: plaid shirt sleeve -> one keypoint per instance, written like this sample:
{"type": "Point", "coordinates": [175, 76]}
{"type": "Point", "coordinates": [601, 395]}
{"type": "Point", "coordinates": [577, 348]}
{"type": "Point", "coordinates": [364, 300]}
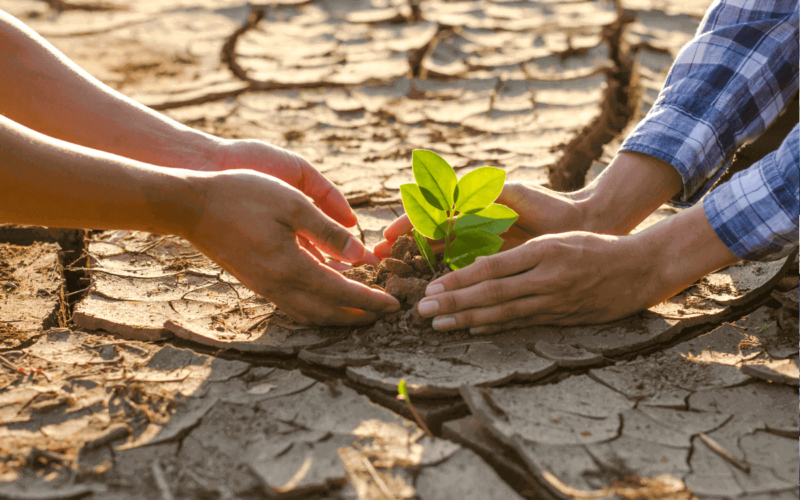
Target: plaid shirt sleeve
{"type": "Point", "coordinates": [724, 89]}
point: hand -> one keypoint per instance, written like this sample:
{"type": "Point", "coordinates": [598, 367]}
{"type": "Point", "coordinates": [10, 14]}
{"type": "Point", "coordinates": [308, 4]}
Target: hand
{"type": "Point", "coordinates": [577, 277]}
{"type": "Point", "coordinates": [295, 171]}
{"type": "Point", "coordinates": [251, 224]}
{"type": "Point", "coordinates": [567, 278]}
{"type": "Point", "coordinates": [541, 211]}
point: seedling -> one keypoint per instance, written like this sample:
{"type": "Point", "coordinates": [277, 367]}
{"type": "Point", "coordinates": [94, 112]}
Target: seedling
{"type": "Point", "coordinates": [462, 212]}
{"type": "Point", "coordinates": [402, 395]}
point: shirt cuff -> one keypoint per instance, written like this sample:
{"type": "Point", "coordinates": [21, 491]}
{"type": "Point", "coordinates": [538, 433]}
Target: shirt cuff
{"type": "Point", "coordinates": [755, 213]}
{"type": "Point", "coordinates": [688, 143]}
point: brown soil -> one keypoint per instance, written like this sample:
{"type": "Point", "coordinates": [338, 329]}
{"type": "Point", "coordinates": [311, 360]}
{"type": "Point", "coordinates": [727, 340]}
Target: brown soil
{"type": "Point", "coordinates": [7, 252]}
{"type": "Point", "coordinates": [404, 275]}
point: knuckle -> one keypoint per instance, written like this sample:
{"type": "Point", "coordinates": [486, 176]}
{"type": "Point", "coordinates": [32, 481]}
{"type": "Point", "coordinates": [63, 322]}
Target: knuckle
{"type": "Point", "coordinates": [511, 311]}
{"type": "Point", "coordinates": [332, 235]}
{"type": "Point", "coordinates": [297, 207]}
{"type": "Point", "coordinates": [493, 291]}
{"type": "Point", "coordinates": [492, 267]}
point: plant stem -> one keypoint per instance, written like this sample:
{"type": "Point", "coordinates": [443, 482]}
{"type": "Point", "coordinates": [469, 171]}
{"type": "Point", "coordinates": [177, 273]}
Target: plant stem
{"type": "Point", "coordinates": [419, 420]}
{"type": "Point", "coordinates": [447, 240]}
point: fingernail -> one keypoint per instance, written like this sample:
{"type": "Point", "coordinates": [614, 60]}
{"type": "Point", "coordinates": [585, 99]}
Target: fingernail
{"type": "Point", "coordinates": [428, 307]}
{"type": "Point", "coordinates": [477, 330]}
{"type": "Point", "coordinates": [353, 251]}
{"type": "Point", "coordinates": [434, 289]}
{"type": "Point", "coordinates": [394, 307]}
{"type": "Point", "coordinates": [479, 258]}
{"type": "Point", "coordinates": [444, 323]}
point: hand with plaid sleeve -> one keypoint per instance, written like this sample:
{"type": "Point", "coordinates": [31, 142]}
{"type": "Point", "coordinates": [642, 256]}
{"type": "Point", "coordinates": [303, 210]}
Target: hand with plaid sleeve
{"type": "Point", "coordinates": [724, 89]}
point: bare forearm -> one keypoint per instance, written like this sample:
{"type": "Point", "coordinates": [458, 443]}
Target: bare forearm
{"type": "Point", "coordinates": [45, 91]}
{"type": "Point", "coordinates": [631, 188]}
{"type": "Point", "coordinates": [679, 251]}
{"type": "Point", "coordinates": [53, 183]}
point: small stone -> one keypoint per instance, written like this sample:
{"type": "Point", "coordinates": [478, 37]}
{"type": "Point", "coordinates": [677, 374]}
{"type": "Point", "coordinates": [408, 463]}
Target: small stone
{"type": "Point", "coordinates": [399, 267]}
{"type": "Point", "coordinates": [394, 343]}
{"type": "Point", "coordinates": [381, 328]}
{"type": "Point", "coordinates": [419, 265]}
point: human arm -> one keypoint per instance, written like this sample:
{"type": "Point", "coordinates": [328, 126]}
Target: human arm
{"type": "Point", "coordinates": [245, 221]}
{"type": "Point", "coordinates": [718, 95]}
{"type": "Point", "coordinates": [43, 90]}
{"type": "Point", "coordinates": [577, 277]}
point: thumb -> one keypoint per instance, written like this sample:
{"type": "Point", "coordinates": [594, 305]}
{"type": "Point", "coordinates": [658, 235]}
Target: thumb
{"type": "Point", "coordinates": [328, 235]}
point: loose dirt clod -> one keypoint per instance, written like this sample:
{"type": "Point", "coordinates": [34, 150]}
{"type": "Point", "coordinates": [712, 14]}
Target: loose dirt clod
{"type": "Point", "coordinates": [405, 276]}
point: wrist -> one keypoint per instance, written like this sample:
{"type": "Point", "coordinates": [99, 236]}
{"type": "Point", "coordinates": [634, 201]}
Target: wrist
{"type": "Point", "coordinates": [682, 250]}
{"type": "Point", "coordinates": [176, 202]}
{"type": "Point", "coordinates": [631, 188]}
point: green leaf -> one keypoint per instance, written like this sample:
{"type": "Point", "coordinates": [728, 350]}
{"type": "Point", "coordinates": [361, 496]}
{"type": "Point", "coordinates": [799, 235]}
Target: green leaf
{"type": "Point", "coordinates": [435, 177]}
{"type": "Point", "coordinates": [495, 218]}
{"type": "Point", "coordinates": [428, 220]}
{"type": "Point", "coordinates": [479, 188]}
{"type": "Point", "coordinates": [402, 390]}
{"type": "Point", "coordinates": [425, 249]}
{"type": "Point", "coordinates": [472, 244]}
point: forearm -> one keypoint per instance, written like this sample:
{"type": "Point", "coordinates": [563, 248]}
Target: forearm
{"type": "Point", "coordinates": [677, 252]}
{"type": "Point", "coordinates": [53, 183]}
{"type": "Point", "coordinates": [45, 91]}
{"type": "Point", "coordinates": [631, 188]}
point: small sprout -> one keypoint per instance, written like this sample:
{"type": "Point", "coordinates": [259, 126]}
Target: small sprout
{"type": "Point", "coordinates": [402, 395]}
{"type": "Point", "coordinates": [402, 391]}
{"type": "Point", "coordinates": [766, 325]}
{"type": "Point", "coordinates": [440, 206]}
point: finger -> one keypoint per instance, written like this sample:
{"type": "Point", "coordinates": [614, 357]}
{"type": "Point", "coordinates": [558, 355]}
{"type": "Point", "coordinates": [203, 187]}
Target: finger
{"type": "Point", "coordinates": [338, 266]}
{"type": "Point", "coordinates": [383, 249]}
{"type": "Point", "coordinates": [298, 172]}
{"type": "Point", "coordinates": [307, 309]}
{"type": "Point", "coordinates": [326, 234]}
{"type": "Point", "coordinates": [494, 266]}
{"type": "Point", "coordinates": [398, 228]}
{"type": "Point", "coordinates": [483, 294]}
{"type": "Point", "coordinates": [498, 314]}
{"type": "Point", "coordinates": [370, 258]}
{"type": "Point", "coordinates": [323, 284]}
{"type": "Point", "coordinates": [311, 248]}
{"type": "Point", "coordinates": [513, 193]}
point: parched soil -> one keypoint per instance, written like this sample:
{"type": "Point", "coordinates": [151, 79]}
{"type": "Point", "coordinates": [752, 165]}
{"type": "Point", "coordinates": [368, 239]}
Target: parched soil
{"type": "Point", "coordinates": [173, 380]}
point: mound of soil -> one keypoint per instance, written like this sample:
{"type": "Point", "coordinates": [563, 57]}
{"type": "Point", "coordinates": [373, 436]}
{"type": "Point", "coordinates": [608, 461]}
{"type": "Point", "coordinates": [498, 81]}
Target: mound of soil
{"type": "Point", "coordinates": [404, 275]}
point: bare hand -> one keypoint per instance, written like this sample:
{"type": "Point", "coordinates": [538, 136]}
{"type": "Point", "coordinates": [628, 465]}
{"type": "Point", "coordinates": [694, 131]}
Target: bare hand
{"type": "Point", "coordinates": [294, 170]}
{"type": "Point", "coordinates": [577, 277]}
{"type": "Point", "coordinates": [255, 227]}
{"type": "Point", "coordinates": [568, 278]}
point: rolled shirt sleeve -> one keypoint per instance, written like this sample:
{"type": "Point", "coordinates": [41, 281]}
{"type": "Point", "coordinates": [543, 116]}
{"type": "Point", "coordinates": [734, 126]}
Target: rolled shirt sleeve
{"type": "Point", "coordinates": [724, 89]}
{"type": "Point", "coordinates": [756, 213]}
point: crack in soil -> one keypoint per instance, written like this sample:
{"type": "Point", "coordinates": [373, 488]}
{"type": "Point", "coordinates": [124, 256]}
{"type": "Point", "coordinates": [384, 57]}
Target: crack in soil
{"type": "Point", "coordinates": [619, 106]}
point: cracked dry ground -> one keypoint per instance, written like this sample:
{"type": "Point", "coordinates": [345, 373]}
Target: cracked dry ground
{"type": "Point", "coordinates": [133, 367]}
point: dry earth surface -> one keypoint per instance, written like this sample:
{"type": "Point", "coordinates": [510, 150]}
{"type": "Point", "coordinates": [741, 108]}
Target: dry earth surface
{"type": "Point", "coordinates": [133, 367]}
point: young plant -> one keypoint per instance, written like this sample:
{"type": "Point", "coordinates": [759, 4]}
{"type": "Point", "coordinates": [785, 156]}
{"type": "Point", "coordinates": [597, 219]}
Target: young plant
{"type": "Point", "coordinates": [402, 395]}
{"type": "Point", "coordinates": [461, 212]}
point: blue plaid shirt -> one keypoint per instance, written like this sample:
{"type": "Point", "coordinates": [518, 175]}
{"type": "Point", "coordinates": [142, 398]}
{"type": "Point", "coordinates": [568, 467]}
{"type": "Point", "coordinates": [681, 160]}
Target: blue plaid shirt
{"type": "Point", "coordinates": [725, 89]}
